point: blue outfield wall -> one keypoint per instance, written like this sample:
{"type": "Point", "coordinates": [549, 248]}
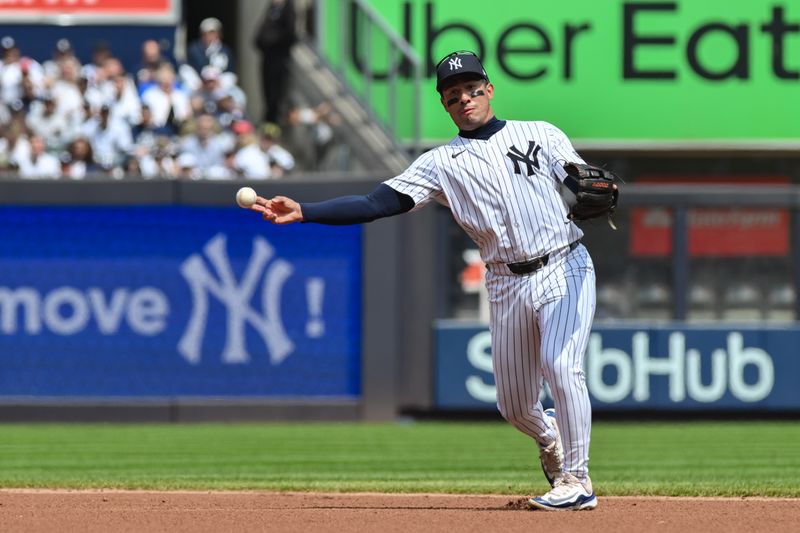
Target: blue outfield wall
{"type": "Point", "coordinates": [643, 367]}
{"type": "Point", "coordinates": [167, 301]}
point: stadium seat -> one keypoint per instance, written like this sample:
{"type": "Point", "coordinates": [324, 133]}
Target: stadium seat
{"type": "Point", "coordinates": [743, 302]}
{"type": "Point", "coordinates": [781, 303]}
{"type": "Point", "coordinates": [612, 302]}
{"type": "Point", "coordinates": [702, 302]}
{"type": "Point", "coordinates": [654, 302]}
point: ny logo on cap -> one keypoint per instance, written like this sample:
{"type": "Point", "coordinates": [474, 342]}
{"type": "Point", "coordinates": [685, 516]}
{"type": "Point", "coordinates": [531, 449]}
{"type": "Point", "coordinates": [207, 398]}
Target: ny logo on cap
{"type": "Point", "coordinates": [455, 63]}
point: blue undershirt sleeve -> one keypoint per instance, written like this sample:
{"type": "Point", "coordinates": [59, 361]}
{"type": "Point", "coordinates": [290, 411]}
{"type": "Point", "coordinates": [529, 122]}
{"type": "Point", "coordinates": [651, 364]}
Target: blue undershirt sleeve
{"type": "Point", "coordinates": [381, 202]}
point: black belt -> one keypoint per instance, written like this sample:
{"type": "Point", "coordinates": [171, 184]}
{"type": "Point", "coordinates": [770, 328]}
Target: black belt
{"type": "Point", "coordinates": [532, 265]}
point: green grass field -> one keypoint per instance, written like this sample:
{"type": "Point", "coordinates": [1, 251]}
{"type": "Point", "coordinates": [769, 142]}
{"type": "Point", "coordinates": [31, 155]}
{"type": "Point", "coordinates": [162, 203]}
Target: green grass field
{"type": "Point", "coordinates": [702, 458]}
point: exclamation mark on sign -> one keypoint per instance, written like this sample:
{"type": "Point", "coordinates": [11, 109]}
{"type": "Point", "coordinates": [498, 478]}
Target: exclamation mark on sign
{"type": "Point", "coordinates": [315, 291]}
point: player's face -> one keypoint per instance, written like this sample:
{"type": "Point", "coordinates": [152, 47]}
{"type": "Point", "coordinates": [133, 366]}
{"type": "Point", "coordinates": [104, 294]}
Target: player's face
{"type": "Point", "coordinates": [468, 102]}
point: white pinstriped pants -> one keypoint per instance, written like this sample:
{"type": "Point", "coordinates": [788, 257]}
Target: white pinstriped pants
{"type": "Point", "coordinates": [540, 326]}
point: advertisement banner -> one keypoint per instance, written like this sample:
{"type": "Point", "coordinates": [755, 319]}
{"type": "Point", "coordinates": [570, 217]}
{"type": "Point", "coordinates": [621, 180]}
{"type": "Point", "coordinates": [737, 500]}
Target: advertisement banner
{"type": "Point", "coordinates": [713, 232]}
{"type": "Point", "coordinates": [669, 368]}
{"type": "Point", "coordinates": [86, 11]}
{"type": "Point", "coordinates": [176, 301]}
{"type": "Point", "coordinates": [731, 232]}
{"type": "Point", "coordinates": [625, 72]}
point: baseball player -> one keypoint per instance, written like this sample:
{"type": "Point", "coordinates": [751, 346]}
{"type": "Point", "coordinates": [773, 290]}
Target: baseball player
{"type": "Point", "coordinates": [504, 181]}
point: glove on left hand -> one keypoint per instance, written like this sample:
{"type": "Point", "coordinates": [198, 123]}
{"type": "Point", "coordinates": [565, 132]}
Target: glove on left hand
{"type": "Point", "coordinates": [596, 194]}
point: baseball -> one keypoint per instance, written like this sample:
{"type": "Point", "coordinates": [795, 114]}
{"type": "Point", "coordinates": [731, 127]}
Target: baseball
{"type": "Point", "coordinates": [246, 197]}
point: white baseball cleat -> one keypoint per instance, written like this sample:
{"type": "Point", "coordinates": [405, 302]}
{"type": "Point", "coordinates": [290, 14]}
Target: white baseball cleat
{"type": "Point", "coordinates": [552, 455]}
{"type": "Point", "coordinates": [568, 494]}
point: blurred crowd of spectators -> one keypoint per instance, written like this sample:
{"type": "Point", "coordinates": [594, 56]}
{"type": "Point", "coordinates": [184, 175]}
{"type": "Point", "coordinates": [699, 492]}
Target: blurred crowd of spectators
{"type": "Point", "coordinates": [61, 118]}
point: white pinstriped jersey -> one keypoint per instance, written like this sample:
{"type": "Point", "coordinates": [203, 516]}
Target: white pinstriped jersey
{"type": "Point", "coordinates": [504, 191]}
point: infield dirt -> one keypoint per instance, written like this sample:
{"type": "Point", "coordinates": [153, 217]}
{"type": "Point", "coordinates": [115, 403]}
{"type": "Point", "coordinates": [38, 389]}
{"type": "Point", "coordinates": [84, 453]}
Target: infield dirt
{"type": "Point", "coordinates": [124, 511]}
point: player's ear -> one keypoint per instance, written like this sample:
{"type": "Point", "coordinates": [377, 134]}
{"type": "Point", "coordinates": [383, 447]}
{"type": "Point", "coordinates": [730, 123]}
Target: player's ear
{"type": "Point", "coordinates": [489, 90]}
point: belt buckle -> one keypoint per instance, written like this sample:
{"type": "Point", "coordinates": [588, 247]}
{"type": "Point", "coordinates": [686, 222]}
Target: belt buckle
{"type": "Point", "coordinates": [527, 267]}
{"type": "Point", "coordinates": [532, 265]}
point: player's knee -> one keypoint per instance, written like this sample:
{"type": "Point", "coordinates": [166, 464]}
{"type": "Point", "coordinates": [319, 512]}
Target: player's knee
{"type": "Point", "coordinates": [561, 380]}
{"type": "Point", "coordinates": [516, 418]}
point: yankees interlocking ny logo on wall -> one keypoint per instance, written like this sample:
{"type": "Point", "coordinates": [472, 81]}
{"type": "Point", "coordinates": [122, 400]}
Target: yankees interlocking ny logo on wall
{"type": "Point", "coordinates": [236, 298]}
{"type": "Point", "coordinates": [530, 158]}
{"type": "Point", "coordinates": [455, 63]}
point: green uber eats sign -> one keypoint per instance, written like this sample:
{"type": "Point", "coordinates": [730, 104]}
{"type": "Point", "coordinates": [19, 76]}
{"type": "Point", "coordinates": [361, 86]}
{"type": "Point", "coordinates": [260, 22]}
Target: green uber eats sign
{"type": "Point", "coordinates": [711, 71]}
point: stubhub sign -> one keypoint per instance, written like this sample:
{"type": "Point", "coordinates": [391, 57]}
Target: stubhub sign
{"type": "Point", "coordinates": [176, 301]}
{"type": "Point", "coordinates": [671, 367]}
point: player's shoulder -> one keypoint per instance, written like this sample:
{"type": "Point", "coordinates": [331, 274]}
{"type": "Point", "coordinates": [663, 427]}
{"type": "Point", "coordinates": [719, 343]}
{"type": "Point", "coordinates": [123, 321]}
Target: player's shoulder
{"type": "Point", "coordinates": [445, 149]}
{"type": "Point", "coordinates": [547, 131]}
{"type": "Point", "coordinates": [429, 161]}
{"type": "Point", "coordinates": [534, 125]}
{"type": "Point", "coordinates": [452, 143]}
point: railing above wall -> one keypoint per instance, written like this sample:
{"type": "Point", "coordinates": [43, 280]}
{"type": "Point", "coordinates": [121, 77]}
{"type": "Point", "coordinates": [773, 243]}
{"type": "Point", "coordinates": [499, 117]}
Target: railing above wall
{"type": "Point", "coordinates": [44, 191]}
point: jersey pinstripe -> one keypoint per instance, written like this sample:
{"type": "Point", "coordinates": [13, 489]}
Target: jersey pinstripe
{"type": "Point", "coordinates": [505, 193]}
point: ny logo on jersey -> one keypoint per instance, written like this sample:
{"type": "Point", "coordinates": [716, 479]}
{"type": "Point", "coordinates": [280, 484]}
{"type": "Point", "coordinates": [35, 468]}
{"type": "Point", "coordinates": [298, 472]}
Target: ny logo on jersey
{"type": "Point", "coordinates": [530, 158]}
{"type": "Point", "coordinates": [455, 63]}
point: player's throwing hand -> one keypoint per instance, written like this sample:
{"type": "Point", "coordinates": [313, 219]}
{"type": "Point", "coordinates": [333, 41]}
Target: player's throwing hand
{"type": "Point", "coordinates": [278, 210]}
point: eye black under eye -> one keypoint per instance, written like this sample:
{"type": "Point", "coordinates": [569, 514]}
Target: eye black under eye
{"type": "Point", "coordinates": [452, 101]}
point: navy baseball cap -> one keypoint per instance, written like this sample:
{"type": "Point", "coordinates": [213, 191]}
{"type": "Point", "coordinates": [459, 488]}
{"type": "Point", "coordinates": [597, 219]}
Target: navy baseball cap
{"type": "Point", "coordinates": [457, 63]}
